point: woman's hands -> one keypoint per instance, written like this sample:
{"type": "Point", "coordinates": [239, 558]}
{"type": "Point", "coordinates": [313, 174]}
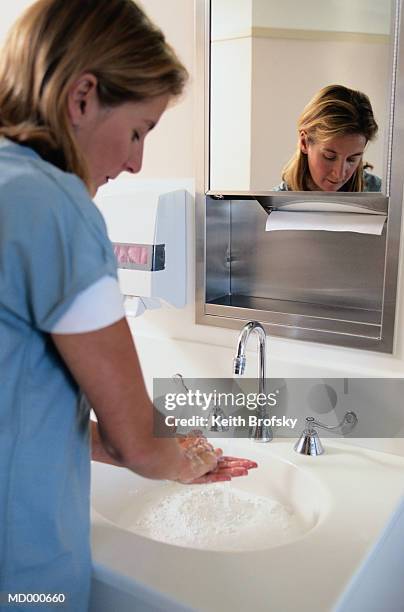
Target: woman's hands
{"type": "Point", "coordinates": [208, 464]}
{"type": "Point", "coordinates": [226, 469]}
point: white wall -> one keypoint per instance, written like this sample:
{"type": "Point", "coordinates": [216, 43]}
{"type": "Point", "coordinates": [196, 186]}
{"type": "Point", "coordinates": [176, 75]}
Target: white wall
{"type": "Point", "coordinates": [370, 16]}
{"type": "Point", "coordinates": [9, 13]}
{"type": "Point", "coordinates": [230, 17]}
{"type": "Point", "coordinates": [230, 152]}
{"type": "Point", "coordinates": [175, 157]}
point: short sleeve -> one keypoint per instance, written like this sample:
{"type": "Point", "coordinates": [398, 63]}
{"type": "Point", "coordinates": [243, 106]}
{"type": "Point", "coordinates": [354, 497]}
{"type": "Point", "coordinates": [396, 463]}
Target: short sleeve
{"type": "Point", "coordinates": [98, 306]}
{"type": "Point", "coordinates": [52, 248]}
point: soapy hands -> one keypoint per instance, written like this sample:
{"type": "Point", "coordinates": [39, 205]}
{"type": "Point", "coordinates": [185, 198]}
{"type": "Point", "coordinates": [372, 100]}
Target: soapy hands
{"type": "Point", "coordinates": [208, 464]}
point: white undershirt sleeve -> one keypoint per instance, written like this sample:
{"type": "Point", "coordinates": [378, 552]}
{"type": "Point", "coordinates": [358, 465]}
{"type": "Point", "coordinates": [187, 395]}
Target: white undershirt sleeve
{"type": "Point", "coordinates": [98, 306]}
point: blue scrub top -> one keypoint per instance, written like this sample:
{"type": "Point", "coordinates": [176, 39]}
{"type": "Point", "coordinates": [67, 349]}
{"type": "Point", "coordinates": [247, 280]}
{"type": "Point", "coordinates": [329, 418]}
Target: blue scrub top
{"type": "Point", "coordinates": [53, 244]}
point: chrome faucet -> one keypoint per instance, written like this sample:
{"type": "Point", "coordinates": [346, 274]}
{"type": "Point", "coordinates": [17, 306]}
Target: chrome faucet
{"type": "Point", "coordinates": [260, 432]}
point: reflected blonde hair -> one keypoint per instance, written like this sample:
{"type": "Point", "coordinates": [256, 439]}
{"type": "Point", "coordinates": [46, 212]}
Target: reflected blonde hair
{"type": "Point", "coordinates": [52, 44]}
{"type": "Point", "coordinates": [334, 111]}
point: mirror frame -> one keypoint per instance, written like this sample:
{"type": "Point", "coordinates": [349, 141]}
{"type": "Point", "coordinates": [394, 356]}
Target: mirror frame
{"type": "Point", "coordinates": [232, 317]}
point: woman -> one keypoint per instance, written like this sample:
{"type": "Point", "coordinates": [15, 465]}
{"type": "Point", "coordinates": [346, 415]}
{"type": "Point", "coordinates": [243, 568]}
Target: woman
{"type": "Point", "coordinates": [83, 82]}
{"type": "Point", "coordinates": [334, 130]}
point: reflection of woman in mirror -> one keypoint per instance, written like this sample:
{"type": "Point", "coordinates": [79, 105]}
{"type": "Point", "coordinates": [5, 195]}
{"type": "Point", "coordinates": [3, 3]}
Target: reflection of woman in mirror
{"type": "Point", "coordinates": [334, 130]}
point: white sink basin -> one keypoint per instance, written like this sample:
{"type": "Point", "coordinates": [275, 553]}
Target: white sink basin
{"type": "Point", "coordinates": [327, 511]}
{"type": "Point", "coordinates": [275, 504]}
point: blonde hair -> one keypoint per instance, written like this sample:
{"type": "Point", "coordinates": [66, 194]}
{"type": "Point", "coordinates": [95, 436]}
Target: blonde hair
{"type": "Point", "coordinates": [52, 44]}
{"type": "Point", "coordinates": [334, 111]}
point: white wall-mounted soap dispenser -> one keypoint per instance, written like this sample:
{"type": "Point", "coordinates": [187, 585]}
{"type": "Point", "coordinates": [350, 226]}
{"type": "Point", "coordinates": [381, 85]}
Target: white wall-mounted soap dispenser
{"type": "Point", "coordinates": [148, 230]}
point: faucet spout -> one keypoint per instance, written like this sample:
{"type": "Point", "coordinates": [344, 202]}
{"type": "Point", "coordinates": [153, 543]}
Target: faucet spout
{"type": "Point", "coordinates": [261, 432]}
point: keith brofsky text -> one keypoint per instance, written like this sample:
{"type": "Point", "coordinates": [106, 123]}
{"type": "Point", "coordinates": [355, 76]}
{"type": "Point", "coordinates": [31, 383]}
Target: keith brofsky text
{"type": "Point", "coordinates": [251, 420]}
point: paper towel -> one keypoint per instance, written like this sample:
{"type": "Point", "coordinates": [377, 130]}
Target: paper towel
{"type": "Point", "coordinates": [326, 216]}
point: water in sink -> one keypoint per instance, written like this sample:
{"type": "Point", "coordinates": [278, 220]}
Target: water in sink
{"type": "Point", "coordinates": [215, 517]}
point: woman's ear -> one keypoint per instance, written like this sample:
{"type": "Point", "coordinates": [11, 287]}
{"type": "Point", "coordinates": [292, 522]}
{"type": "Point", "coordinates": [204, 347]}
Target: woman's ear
{"type": "Point", "coordinates": [82, 99]}
{"type": "Point", "coordinates": [303, 140]}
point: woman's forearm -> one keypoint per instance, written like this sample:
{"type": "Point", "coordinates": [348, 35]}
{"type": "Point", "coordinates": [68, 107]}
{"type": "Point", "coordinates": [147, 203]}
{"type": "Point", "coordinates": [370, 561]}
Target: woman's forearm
{"type": "Point", "coordinates": [98, 451]}
{"type": "Point", "coordinates": [164, 456]}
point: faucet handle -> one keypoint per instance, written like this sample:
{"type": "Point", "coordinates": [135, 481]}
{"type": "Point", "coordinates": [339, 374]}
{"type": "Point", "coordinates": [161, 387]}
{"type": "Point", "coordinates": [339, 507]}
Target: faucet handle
{"type": "Point", "coordinates": [309, 441]}
{"type": "Point", "coordinates": [179, 379]}
{"type": "Point", "coordinates": [344, 427]}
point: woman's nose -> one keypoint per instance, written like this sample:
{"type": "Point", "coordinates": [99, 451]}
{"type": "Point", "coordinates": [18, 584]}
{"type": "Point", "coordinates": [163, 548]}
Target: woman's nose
{"type": "Point", "coordinates": [134, 163]}
{"type": "Point", "coordinates": [339, 170]}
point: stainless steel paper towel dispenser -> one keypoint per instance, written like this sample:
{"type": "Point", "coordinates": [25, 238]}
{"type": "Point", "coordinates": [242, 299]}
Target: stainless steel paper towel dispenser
{"type": "Point", "coordinates": [315, 285]}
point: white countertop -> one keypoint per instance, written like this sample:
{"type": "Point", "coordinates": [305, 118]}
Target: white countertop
{"type": "Point", "coordinates": [362, 488]}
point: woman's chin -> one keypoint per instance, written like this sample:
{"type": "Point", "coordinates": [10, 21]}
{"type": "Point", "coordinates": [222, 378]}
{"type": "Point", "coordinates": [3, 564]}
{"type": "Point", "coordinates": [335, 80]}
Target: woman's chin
{"type": "Point", "coordinates": [329, 186]}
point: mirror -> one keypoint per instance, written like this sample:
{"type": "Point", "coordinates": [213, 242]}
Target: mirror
{"type": "Point", "coordinates": [267, 61]}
